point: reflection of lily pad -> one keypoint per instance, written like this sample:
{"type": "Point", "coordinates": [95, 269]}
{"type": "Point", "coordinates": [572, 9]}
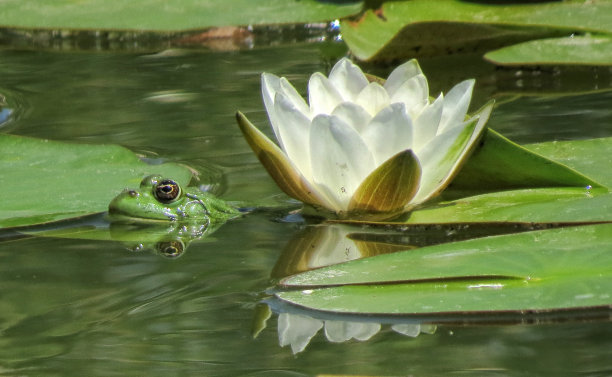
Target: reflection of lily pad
{"type": "Point", "coordinates": [51, 180]}
{"type": "Point", "coordinates": [540, 271]}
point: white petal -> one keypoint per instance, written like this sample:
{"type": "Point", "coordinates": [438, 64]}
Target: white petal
{"type": "Point", "coordinates": [353, 115]}
{"type": "Point", "coordinates": [458, 142]}
{"type": "Point", "coordinates": [348, 79]}
{"type": "Point", "coordinates": [296, 99]}
{"type": "Point", "coordinates": [426, 124]}
{"type": "Point", "coordinates": [402, 74]}
{"type": "Point", "coordinates": [456, 103]}
{"type": "Point", "coordinates": [322, 95]}
{"type": "Point", "coordinates": [277, 163]}
{"type": "Point", "coordinates": [441, 157]}
{"type": "Point", "coordinates": [389, 132]}
{"type": "Point", "coordinates": [340, 159]}
{"type": "Point", "coordinates": [270, 85]}
{"type": "Point", "coordinates": [414, 93]}
{"type": "Point", "coordinates": [482, 115]}
{"type": "Point", "coordinates": [294, 129]}
{"type": "Point", "coordinates": [373, 98]}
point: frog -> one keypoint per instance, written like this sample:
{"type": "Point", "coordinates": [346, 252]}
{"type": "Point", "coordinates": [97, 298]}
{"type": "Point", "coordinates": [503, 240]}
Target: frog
{"type": "Point", "coordinates": [163, 199]}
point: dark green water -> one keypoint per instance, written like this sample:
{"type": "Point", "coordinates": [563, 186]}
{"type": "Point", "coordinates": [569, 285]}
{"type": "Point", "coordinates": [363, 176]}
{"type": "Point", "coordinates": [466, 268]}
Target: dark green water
{"type": "Point", "coordinates": [93, 308]}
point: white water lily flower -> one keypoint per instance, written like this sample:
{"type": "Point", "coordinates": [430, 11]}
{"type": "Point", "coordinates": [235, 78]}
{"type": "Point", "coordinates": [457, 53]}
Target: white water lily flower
{"type": "Point", "coordinates": [359, 148]}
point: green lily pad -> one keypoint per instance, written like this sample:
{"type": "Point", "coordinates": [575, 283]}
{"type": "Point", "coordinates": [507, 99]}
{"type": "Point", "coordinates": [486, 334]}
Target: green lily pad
{"type": "Point", "coordinates": [587, 156]}
{"type": "Point", "coordinates": [402, 29]}
{"type": "Point", "coordinates": [540, 202]}
{"type": "Point", "coordinates": [555, 269]}
{"type": "Point", "coordinates": [161, 15]}
{"type": "Point", "coordinates": [575, 50]}
{"type": "Point", "coordinates": [459, 297]}
{"type": "Point", "coordinates": [546, 205]}
{"type": "Point", "coordinates": [52, 180]}
{"type": "Point", "coordinates": [500, 164]}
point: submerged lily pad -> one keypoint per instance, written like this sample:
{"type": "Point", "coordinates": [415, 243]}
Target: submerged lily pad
{"type": "Point", "coordinates": [52, 180]}
{"type": "Point", "coordinates": [556, 269]}
{"type": "Point", "coordinates": [161, 15]}
{"type": "Point", "coordinates": [574, 50]}
{"type": "Point", "coordinates": [402, 29]}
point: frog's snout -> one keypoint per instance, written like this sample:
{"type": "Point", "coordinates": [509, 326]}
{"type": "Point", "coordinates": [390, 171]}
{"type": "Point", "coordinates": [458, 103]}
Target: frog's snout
{"type": "Point", "coordinates": [117, 205]}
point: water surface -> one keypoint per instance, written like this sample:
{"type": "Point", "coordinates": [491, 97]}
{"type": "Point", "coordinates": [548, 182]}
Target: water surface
{"type": "Point", "coordinates": [82, 307]}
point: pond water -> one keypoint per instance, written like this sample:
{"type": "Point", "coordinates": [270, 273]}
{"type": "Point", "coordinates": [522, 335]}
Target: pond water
{"type": "Point", "coordinates": [81, 307]}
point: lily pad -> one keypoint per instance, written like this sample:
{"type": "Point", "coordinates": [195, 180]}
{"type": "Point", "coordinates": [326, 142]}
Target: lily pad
{"type": "Point", "coordinates": [500, 164]}
{"type": "Point", "coordinates": [556, 269]}
{"type": "Point", "coordinates": [459, 297]}
{"type": "Point", "coordinates": [546, 205]}
{"type": "Point", "coordinates": [52, 180]}
{"type": "Point", "coordinates": [539, 203]}
{"type": "Point", "coordinates": [587, 156]}
{"type": "Point", "coordinates": [161, 15]}
{"type": "Point", "coordinates": [574, 50]}
{"type": "Point", "coordinates": [402, 29]}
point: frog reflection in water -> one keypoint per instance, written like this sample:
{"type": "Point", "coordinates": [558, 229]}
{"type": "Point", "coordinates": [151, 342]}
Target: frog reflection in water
{"type": "Point", "coordinates": [170, 215]}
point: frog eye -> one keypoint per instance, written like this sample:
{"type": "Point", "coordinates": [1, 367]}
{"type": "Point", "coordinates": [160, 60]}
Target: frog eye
{"type": "Point", "coordinates": [166, 191]}
{"type": "Point", "coordinates": [170, 249]}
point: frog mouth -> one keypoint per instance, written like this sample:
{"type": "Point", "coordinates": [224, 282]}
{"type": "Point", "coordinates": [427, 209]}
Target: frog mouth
{"type": "Point", "coordinates": [117, 213]}
{"type": "Point", "coordinates": [120, 216]}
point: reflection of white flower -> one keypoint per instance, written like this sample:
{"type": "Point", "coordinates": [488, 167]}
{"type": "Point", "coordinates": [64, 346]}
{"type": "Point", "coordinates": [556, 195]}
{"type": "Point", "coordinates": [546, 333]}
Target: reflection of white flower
{"type": "Point", "coordinates": [342, 331]}
{"type": "Point", "coordinates": [413, 329]}
{"type": "Point", "coordinates": [297, 330]}
{"type": "Point", "coordinates": [362, 148]}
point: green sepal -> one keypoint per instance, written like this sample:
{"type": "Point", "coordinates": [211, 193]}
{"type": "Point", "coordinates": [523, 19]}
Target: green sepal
{"type": "Point", "coordinates": [390, 187]}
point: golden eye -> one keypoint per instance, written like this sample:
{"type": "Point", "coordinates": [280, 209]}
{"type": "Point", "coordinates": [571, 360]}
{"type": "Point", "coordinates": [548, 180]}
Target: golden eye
{"type": "Point", "coordinates": [170, 249]}
{"type": "Point", "coordinates": [167, 191]}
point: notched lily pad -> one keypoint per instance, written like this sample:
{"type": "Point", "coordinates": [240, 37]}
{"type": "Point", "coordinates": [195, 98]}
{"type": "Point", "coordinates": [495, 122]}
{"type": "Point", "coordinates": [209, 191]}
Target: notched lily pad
{"type": "Point", "coordinates": [52, 180]}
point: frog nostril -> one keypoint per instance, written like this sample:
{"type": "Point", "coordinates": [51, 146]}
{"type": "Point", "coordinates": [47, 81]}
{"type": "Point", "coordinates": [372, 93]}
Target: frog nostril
{"type": "Point", "coordinates": [132, 193]}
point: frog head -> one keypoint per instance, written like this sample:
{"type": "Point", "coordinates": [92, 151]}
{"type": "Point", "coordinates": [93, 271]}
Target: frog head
{"type": "Point", "coordinates": [160, 198]}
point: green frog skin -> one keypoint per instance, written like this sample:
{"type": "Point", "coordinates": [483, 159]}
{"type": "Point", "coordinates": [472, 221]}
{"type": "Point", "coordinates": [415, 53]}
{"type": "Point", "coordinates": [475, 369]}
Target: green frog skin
{"type": "Point", "coordinates": [163, 199]}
